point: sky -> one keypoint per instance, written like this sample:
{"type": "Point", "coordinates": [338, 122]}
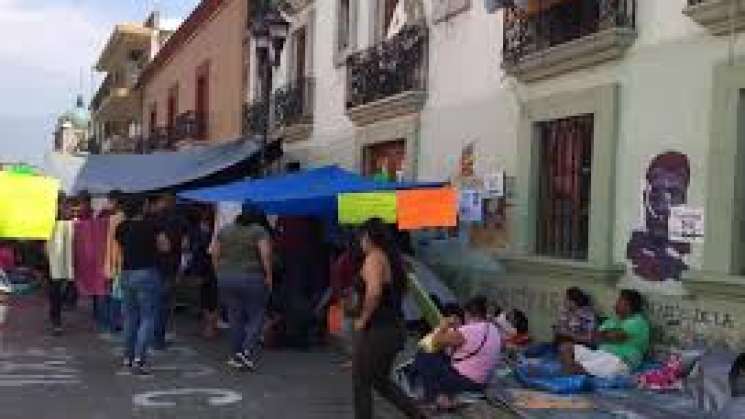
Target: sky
{"type": "Point", "coordinates": [45, 46]}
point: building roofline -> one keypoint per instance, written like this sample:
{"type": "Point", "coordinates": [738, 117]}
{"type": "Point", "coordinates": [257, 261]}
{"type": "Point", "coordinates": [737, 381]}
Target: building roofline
{"type": "Point", "coordinates": [120, 30]}
{"type": "Point", "coordinates": [201, 14]}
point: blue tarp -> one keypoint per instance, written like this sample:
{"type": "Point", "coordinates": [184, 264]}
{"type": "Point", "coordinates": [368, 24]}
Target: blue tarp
{"type": "Point", "coordinates": [101, 173]}
{"type": "Point", "coordinates": [310, 192]}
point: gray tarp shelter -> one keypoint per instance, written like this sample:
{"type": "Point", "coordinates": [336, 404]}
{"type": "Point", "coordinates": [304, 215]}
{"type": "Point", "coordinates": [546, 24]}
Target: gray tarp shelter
{"type": "Point", "coordinates": [101, 173]}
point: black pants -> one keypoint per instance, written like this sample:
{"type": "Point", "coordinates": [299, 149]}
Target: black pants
{"type": "Point", "coordinates": [69, 294]}
{"type": "Point", "coordinates": [374, 352]}
{"type": "Point", "coordinates": [439, 377]}
{"type": "Point", "coordinates": [209, 293]}
{"type": "Point", "coordinates": [57, 294]}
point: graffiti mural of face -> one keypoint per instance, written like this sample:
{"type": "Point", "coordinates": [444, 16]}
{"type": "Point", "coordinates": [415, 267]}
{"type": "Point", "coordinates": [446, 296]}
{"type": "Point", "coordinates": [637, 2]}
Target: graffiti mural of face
{"type": "Point", "coordinates": [654, 257]}
{"type": "Point", "coordinates": [665, 189]}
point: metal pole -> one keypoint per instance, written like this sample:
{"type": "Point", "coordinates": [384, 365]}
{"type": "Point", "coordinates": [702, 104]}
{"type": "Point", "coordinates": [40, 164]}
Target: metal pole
{"type": "Point", "coordinates": [267, 109]}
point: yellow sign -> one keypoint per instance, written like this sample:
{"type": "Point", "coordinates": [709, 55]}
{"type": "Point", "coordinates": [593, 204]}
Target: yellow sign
{"type": "Point", "coordinates": [356, 208]}
{"type": "Point", "coordinates": [28, 206]}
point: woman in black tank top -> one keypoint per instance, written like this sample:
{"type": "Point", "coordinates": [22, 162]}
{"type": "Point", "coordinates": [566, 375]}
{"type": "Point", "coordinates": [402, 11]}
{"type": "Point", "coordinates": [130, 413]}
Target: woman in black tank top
{"type": "Point", "coordinates": [379, 328]}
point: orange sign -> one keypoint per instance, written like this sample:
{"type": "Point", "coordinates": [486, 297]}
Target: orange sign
{"type": "Point", "coordinates": [423, 208]}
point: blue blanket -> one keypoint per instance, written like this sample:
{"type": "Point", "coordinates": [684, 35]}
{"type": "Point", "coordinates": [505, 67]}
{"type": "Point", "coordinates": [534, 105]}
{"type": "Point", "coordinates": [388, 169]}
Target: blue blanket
{"type": "Point", "coordinates": [546, 375]}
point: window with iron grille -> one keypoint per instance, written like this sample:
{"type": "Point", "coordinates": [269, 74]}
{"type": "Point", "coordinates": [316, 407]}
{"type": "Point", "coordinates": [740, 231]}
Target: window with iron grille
{"type": "Point", "coordinates": [564, 187]}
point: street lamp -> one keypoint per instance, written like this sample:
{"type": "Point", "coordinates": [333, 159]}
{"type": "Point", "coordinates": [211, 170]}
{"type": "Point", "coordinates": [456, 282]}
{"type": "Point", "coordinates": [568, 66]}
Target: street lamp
{"type": "Point", "coordinates": [269, 31]}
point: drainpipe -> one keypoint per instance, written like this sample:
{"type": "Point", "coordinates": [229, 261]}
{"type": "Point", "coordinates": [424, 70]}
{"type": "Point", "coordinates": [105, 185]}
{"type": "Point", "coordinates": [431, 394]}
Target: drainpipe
{"type": "Point", "coordinates": [733, 9]}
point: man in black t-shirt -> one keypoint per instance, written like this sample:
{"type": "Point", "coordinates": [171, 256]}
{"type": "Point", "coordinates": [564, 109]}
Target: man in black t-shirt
{"type": "Point", "coordinates": [166, 217]}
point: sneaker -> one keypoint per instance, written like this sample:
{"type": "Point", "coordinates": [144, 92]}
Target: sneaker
{"type": "Point", "coordinates": [222, 325]}
{"type": "Point", "coordinates": [127, 363]}
{"type": "Point", "coordinates": [139, 369]}
{"type": "Point", "coordinates": [57, 331]}
{"type": "Point", "coordinates": [246, 360]}
{"type": "Point", "coordinates": [236, 364]}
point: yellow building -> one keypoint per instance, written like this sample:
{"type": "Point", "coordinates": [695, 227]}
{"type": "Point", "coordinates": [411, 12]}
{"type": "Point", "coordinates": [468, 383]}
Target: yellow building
{"type": "Point", "coordinates": [116, 107]}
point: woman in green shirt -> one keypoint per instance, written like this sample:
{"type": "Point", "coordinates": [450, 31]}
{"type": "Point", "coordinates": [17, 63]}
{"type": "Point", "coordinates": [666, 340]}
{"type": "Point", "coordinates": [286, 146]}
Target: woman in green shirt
{"type": "Point", "coordinates": [242, 255]}
{"type": "Point", "coordinates": [623, 342]}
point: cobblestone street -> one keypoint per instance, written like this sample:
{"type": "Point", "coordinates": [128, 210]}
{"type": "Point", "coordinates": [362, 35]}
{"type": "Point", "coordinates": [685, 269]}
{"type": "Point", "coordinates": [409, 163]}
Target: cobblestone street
{"type": "Point", "coordinates": [77, 376]}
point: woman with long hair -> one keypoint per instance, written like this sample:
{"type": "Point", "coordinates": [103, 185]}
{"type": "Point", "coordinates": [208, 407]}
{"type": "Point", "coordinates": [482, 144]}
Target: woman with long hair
{"type": "Point", "coordinates": [379, 328]}
{"type": "Point", "coordinates": [242, 255]}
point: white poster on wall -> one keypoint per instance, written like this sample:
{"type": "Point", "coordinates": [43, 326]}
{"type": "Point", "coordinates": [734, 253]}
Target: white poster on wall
{"type": "Point", "coordinates": [494, 185]}
{"type": "Point", "coordinates": [471, 205]}
{"type": "Point", "coordinates": [686, 224]}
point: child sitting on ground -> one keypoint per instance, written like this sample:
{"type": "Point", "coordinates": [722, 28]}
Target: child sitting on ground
{"type": "Point", "coordinates": [514, 328]}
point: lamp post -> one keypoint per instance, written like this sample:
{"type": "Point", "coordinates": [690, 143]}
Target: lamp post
{"type": "Point", "coordinates": [269, 32]}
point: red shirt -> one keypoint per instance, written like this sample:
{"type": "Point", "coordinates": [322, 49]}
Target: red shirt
{"type": "Point", "coordinates": [7, 258]}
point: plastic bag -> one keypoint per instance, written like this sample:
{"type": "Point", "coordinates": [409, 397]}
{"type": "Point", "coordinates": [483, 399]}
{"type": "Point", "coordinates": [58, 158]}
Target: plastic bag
{"type": "Point", "coordinates": [544, 378]}
{"type": "Point", "coordinates": [5, 285]}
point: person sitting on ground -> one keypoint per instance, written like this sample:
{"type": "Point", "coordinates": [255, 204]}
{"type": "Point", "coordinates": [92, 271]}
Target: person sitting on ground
{"type": "Point", "coordinates": [519, 336]}
{"type": "Point", "coordinates": [623, 341]}
{"type": "Point", "coordinates": [577, 318]}
{"type": "Point", "coordinates": [467, 355]}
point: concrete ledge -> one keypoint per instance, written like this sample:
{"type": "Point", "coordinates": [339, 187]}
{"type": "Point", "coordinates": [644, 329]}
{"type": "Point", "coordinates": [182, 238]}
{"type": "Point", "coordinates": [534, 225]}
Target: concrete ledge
{"type": "Point", "coordinates": [590, 50]}
{"type": "Point", "coordinates": [388, 108]}
{"type": "Point", "coordinates": [715, 15]}
{"type": "Point", "coordinates": [713, 284]}
{"type": "Point", "coordinates": [294, 133]}
{"type": "Point", "coordinates": [292, 7]}
{"type": "Point", "coordinates": [536, 266]}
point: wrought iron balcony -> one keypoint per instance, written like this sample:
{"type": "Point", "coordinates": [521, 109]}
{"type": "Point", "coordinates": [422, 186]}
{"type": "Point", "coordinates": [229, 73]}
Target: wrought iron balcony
{"type": "Point", "coordinates": [393, 67]}
{"type": "Point", "coordinates": [293, 104]}
{"type": "Point", "coordinates": [255, 118]}
{"type": "Point", "coordinates": [563, 33]}
{"type": "Point", "coordinates": [719, 16]}
{"type": "Point", "coordinates": [159, 140]}
{"type": "Point", "coordinates": [113, 85]}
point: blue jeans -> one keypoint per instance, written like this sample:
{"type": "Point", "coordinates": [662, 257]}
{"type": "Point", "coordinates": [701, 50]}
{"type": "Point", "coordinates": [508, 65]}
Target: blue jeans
{"type": "Point", "coordinates": [102, 312]}
{"type": "Point", "coordinates": [246, 299]}
{"type": "Point", "coordinates": [141, 289]}
{"type": "Point", "coordinates": [162, 316]}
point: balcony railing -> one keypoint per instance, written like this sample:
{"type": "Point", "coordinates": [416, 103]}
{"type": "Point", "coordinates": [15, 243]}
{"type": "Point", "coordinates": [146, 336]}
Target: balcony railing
{"type": "Point", "coordinates": [102, 93]}
{"type": "Point", "coordinates": [128, 80]}
{"type": "Point", "coordinates": [293, 104]}
{"type": "Point", "coordinates": [720, 17]}
{"type": "Point", "coordinates": [544, 24]}
{"type": "Point", "coordinates": [395, 66]}
{"type": "Point", "coordinates": [255, 116]}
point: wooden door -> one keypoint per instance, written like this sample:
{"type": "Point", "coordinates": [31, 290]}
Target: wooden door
{"type": "Point", "coordinates": [385, 158]}
{"type": "Point", "coordinates": [300, 48]}
{"type": "Point", "coordinates": [203, 101]}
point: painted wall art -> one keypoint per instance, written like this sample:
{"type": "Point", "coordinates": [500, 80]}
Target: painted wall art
{"type": "Point", "coordinates": [654, 254]}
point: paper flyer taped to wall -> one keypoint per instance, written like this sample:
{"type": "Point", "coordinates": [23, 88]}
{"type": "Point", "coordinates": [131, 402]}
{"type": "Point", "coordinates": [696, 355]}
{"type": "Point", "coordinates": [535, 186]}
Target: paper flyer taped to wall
{"type": "Point", "coordinates": [686, 224]}
{"type": "Point", "coordinates": [471, 206]}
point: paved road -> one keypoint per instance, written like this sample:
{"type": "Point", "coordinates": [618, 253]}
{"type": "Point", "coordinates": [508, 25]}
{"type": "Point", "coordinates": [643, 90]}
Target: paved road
{"type": "Point", "coordinates": [77, 376]}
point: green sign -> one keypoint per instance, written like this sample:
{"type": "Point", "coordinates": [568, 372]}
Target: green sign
{"type": "Point", "coordinates": [356, 208]}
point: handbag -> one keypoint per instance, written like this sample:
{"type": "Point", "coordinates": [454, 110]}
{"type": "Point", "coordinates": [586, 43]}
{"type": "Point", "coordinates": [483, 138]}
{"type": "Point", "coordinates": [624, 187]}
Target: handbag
{"type": "Point", "coordinates": [477, 350]}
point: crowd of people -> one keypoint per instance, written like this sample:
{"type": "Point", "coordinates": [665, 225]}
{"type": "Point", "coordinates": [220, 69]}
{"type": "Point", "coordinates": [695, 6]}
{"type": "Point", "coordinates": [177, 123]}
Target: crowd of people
{"type": "Point", "coordinates": [136, 253]}
{"type": "Point", "coordinates": [273, 282]}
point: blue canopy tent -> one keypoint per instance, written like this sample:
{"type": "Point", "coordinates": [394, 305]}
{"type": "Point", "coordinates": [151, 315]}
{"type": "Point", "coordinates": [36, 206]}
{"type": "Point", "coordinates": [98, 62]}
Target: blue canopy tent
{"type": "Point", "coordinates": [310, 192]}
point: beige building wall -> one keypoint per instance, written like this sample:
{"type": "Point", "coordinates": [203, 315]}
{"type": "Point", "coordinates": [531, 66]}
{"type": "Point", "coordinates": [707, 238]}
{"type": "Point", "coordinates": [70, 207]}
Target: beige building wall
{"type": "Point", "coordinates": [219, 41]}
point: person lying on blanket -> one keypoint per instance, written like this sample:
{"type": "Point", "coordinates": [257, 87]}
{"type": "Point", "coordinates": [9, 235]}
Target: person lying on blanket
{"type": "Point", "coordinates": [623, 341]}
{"type": "Point", "coordinates": [464, 358]}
